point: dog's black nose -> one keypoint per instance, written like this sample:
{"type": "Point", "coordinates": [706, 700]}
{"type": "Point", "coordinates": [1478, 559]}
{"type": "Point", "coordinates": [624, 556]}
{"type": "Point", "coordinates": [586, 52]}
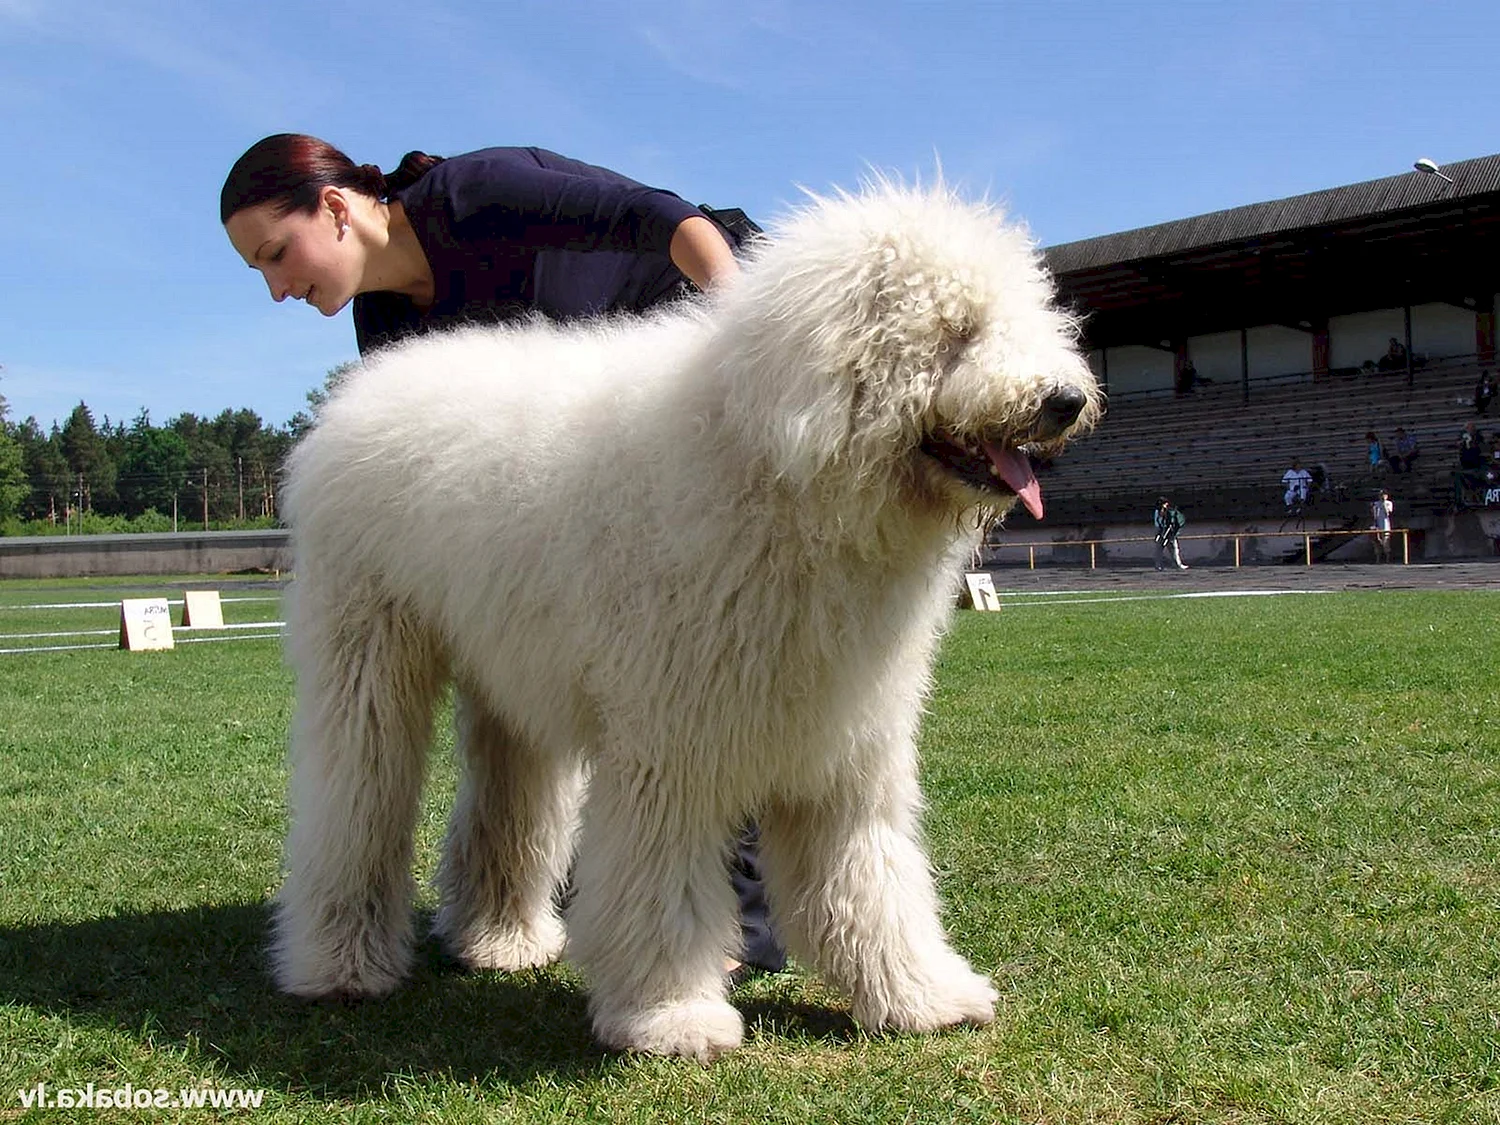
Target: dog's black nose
{"type": "Point", "coordinates": [1063, 406]}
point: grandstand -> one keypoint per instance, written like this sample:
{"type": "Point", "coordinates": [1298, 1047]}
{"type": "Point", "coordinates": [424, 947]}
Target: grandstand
{"type": "Point", "coordinates": [1223, 456]}
{"type": "Point", "coordinates": [1287, 310]}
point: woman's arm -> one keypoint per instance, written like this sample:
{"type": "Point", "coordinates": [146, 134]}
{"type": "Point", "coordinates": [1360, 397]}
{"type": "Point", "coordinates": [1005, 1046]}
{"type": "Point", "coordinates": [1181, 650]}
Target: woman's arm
{"type": "Point", "coordinates": [700, 251]}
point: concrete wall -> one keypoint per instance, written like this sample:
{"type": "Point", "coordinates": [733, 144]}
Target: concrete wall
{"type": "Point", "coordinates": [1138, 368]}
{"type": "Point", "coordinates": [1362, 336]}
{"type": "Point", "coordinates": [1216, 356]}
{"type": "Point", "coordinates": [1276, 349]}
{"type": "Point", "coordinates": [188, 552]}
{"type": "Point", "coordinates": [1442, 330]}
{"type": "Point", "coordinates": [1273, 350]}
{"type": "Point", "coordinates": [1437, 330]}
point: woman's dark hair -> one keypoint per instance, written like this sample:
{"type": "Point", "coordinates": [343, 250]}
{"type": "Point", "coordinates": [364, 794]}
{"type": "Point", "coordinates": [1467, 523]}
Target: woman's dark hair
{"type": "Point", "coordinates": [290, 169]}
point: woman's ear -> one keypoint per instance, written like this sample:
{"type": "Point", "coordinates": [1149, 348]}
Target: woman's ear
{"type": "Point", "coordinates": [336, 204]}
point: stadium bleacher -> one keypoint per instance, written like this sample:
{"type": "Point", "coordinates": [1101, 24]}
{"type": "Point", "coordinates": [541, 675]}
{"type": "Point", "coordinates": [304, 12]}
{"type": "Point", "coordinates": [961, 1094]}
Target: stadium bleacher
{"type": "Point", "coordinates": [1222, 457]}
{"type": "Point", "coordinates": [1330, 273]}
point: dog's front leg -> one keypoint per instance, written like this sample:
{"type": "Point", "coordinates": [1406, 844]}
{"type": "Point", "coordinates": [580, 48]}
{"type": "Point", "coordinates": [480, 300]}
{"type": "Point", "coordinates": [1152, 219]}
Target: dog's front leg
{"type": "Point", "coordinates": [653, 914]}
{"type": "Point", "coordinates": [852, 892]}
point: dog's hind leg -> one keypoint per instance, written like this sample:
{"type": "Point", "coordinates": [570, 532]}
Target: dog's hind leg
{"type": "Point", "coordinates": [653, 914]}
{"type": "Point", "coordinates": [852, 892]}
{"type": "Point", "coordinates": [368, 677]}
{"type": "Point", "coordinates": [509, 843]}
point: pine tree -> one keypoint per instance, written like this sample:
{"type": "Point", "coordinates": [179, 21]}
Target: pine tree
{"type": "Point", "coordinates": [14, 487]}
{"type": "Point", "coordinates": [88, 459]}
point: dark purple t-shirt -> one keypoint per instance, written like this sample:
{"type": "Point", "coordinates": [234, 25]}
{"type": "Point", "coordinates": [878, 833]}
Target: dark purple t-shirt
{"type": "Point", "coordinates": [510, 231]}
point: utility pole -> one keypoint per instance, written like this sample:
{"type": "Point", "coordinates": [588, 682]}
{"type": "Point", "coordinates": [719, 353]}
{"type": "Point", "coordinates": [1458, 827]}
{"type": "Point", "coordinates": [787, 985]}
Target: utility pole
{"type": "Point", "coordinates": [239, 476]}
{"type": "Point", "coordinates": [205, 497]}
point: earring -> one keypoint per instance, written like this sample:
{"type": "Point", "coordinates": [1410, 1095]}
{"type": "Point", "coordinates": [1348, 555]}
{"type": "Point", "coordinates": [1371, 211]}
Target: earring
{"type": "Point", "coordinates": [343, 230]}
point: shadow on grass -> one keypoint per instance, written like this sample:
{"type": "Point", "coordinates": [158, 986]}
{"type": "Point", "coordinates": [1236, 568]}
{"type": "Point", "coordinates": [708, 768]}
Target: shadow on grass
{"type": "Point", "coordinates": [197, 979]}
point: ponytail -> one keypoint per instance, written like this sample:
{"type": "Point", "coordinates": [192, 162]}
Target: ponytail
{"type": "Point", "coordinates": [414, 165]}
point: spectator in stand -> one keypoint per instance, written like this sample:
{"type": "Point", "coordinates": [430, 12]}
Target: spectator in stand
{"type": "Point", "coordinates": [1380, 513]}
{"type": "Point", "coordinates": [1188, 378]}
{"type": "Point", "coordinates": [1471, 469]}
{"type": "Point", "coordinates": [1374, 454]}
{"type": "Point", "coordinates": [1484, 392]}
{"type": "Point", "coordinates": [1406, 451]}
{"type": "Point", "coordinates": [1319, 479]}
{"type": "Point", "coordinates": [1395, 357]}
{"type": "Point", "coordinates": [1168, 521]}
{"type": "Point", "coordinates": [1297, 480]}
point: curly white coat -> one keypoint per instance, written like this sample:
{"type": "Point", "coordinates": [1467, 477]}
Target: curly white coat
{"type": "Point", "coordinates": [699, 557]}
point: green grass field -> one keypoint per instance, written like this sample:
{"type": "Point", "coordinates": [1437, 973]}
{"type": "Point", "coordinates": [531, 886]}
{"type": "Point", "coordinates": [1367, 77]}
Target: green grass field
{"type": "Point", "coordinates": [1230, 860]}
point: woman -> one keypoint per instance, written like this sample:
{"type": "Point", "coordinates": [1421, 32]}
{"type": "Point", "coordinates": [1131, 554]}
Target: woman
{"type": "Point", "coordinates": [487, 236]}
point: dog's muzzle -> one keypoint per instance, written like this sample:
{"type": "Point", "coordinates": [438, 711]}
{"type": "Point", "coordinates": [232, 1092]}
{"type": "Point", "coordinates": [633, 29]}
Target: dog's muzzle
{"type": "Point", "coordinates": [1002, 463]}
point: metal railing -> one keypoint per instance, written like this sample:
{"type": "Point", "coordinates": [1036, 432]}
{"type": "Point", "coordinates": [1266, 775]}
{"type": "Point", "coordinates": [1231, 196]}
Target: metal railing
{"type": "Point", "coordinates": [1381, 538]}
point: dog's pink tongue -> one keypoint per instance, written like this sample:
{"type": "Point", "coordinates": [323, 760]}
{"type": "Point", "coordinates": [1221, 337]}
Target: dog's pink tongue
{"type": "Point", "coordinates": [1015, 469]}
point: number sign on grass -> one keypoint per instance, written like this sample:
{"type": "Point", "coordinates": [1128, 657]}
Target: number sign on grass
{"type": "Point", "coordinates": [145, 624]}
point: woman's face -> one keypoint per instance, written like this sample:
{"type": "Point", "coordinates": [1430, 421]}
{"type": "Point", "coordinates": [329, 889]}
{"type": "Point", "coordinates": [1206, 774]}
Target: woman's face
{"type": "Point", "coordinates": [313, 258]}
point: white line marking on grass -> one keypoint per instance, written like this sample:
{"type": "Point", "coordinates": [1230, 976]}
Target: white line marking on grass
{"type": "Point", "coordinates": [1043, 593]}
{"type": "Point", "coordinates": [114, 604]}
{"type": "Point", "coordinates": [241, 625]}
{"type": "Point", "coordinates": [54, 636]}
{"type": "Point", "coordinates": [54, 648]}
{"type": "Point", "coordinates": [179, 640]}
{"type": "Point", "coordinates": [112, 632]}
{"type": "Point", "coordinates": [1168, 597]}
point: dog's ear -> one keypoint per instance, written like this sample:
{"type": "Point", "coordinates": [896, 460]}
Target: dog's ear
{"type": "Point", "coordinates": [796, 410]}
{"type": "Point", "coordinates": [914, 320]}
{"type": "Point", "coordinates": [849, 338]}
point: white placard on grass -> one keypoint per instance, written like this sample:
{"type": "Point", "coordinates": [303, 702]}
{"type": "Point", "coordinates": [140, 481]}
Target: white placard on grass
{"type": "Point", "coordinates": [201, 609]}
{"type": "Point", "coordinates": [145, 624]}
{"type": "Point", "coordinates": [982, 594]}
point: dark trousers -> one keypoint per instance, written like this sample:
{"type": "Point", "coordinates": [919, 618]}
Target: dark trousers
{"type": "Point", "coordinates": [759, 945]}
{"type": "Point", "coordinates": [762, 948]}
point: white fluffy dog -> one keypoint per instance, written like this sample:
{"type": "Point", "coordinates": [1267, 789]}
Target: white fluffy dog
{"type": "Point", "coordinates": [702, 560]}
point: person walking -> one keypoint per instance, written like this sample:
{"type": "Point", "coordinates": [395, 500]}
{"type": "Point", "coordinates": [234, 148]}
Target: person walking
{"type": "Point", "coordinates": [1168, 521]}
{"type": "Point", "coordinates": [1380, 524]}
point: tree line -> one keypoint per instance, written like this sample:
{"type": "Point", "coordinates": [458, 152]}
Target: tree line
{"type": "Point", "coordinates": [93, 475]}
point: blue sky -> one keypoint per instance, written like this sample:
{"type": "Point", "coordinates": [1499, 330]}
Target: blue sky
{"type": "Point", "coordinates": [120, 118]}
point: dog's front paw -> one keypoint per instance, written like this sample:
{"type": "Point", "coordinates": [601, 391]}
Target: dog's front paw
{"type": "Point", "coordinates": [697, 1029]}
{"type": "Point", "coordinates": [929, 1002]}
{"type": "Point", "coordinates": [505, 949]}
{"type": "Point", "coordinates": [337, 962]}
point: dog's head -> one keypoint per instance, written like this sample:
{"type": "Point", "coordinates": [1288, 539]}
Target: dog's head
{"type": "Point", "coordinates": [905, 339]}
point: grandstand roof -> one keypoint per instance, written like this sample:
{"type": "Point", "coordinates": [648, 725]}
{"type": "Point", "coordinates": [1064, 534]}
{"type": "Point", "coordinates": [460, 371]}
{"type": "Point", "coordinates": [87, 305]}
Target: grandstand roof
{"type": "Point", "coordinates": [1379, 244]}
